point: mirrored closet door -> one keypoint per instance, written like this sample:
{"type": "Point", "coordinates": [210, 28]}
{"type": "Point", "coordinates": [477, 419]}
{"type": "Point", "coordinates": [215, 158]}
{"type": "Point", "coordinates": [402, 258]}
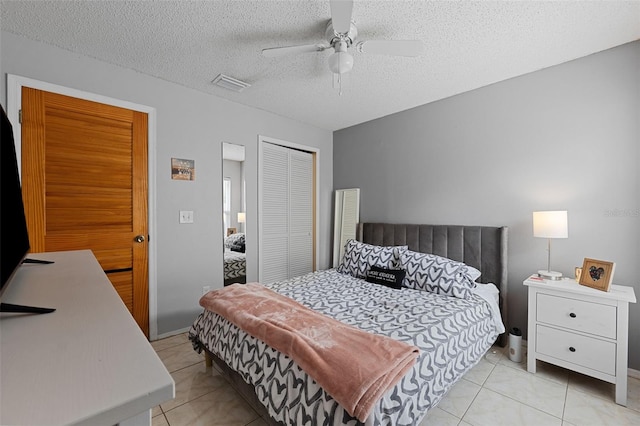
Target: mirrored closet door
{"type": "Point", "coordinates": [233, 213]}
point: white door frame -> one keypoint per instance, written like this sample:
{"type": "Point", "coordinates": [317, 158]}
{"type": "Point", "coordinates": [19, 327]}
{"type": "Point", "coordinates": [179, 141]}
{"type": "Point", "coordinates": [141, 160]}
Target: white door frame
{"type": "Point", "coordinates": [15, 84]}
{"type": "Point", "coordinates": [316, 243]}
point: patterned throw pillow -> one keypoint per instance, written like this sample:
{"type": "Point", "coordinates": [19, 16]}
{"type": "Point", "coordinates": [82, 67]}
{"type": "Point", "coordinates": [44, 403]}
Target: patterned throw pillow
{"type": "Point", "coordinates": [359, 257]}
{"type": "Point", "coordinates": [232, 240]}
{"type": "Point", "coordinates": [474, 274]}
{"type": "Point", "coordinates": [437, 274]}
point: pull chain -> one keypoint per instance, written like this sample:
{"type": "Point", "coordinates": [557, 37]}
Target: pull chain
{"type": "Point", "coordinates": [337, 82]}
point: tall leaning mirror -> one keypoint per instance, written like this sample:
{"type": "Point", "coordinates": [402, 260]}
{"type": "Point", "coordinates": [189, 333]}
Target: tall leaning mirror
{"type": "Point", "coordinates": [233, 213]}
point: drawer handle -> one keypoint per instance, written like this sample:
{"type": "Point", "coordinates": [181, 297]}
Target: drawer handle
{"type": "Point", "coordinates": [572, 349]}
{"type": "Point", "coordinates": [572, 315]}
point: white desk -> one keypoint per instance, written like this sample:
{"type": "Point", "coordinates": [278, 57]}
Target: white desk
{"type": "Point", "coordinates": [86, 363]}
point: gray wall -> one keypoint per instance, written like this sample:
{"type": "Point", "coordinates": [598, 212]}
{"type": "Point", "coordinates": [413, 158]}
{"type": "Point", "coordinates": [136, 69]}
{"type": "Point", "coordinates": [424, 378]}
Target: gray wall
{"type": "Point", "coordinates": [563, 138]}
{"type": "Point", "coordinates": [190, 125]}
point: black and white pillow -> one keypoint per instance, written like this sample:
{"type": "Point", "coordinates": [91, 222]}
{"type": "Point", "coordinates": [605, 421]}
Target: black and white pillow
{"type": "Point", "coordinates": [234, 240]}
{"type": "Point", "coordinates": [360, 257]}
{"type": "Point", "coordinates": [438, 274]}
{"type": "Point", "coordinates": [387, 277]}
{"type": "Point", "coordinates": [239, 248]}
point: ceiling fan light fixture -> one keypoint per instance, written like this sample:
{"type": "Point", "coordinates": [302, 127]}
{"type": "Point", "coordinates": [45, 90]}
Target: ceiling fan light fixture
{"type": "Point", "coordinates": [340, 62]}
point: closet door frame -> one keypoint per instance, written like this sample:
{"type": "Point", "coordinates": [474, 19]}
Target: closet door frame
{"type": "Point", "coordinates": [316, 180]}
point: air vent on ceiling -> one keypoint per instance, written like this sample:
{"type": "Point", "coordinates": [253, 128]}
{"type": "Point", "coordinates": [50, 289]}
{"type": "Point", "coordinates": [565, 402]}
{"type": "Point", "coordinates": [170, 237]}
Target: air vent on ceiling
{"type": "Point", "coordinates": [230, 83]}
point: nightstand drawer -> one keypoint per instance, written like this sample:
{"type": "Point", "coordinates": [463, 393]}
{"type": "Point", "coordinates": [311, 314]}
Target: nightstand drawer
{"type": "Point", "coordinates": [588, 317]}
{"type": "Point", "coordinates": [588, 352]}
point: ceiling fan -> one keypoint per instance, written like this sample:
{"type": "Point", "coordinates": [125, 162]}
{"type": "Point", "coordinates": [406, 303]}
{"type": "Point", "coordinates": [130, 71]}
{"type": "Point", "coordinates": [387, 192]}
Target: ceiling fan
{"type": "Point", "coordinates": [341, 34]}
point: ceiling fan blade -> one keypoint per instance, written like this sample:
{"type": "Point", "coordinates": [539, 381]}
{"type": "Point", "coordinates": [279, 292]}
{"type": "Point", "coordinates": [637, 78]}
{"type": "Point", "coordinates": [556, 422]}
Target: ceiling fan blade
{"type": "Point", "coordinates": [273, 52]}
{"type": "Point", "coordinates": [341, 15]}
{"type": "Point", "coordinates": [391, 47]}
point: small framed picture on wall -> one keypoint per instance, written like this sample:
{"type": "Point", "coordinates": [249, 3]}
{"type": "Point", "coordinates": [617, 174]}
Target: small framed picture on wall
{"type": "Point", "coordinates": [183, 169]}
{"type": "Point", "coordinates": [231, 231]}
{"type": "Point", "coordinates": [597, 274]}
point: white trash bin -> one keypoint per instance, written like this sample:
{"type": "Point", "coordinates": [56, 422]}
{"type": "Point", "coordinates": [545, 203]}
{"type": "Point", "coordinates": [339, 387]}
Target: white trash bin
{"type": "Point", "coordinates": [515, 345]}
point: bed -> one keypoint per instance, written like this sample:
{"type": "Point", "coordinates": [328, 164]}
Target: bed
{"type": "Point", "coordinates": [452, 333]}
{"type": "Point", "coordinates": [235, 261]}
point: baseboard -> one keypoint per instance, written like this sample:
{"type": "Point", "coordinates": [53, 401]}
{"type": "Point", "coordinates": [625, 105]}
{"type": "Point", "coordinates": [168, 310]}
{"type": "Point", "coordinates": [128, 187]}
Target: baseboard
{"type": "Point", "coordinates": [173, 333]}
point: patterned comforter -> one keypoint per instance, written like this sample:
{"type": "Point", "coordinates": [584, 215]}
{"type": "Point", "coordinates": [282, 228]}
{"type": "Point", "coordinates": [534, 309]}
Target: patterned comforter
{"type": "Point", "coordinates": [235, 264]}
{"type": "Point", "coordinates": [452, 334]}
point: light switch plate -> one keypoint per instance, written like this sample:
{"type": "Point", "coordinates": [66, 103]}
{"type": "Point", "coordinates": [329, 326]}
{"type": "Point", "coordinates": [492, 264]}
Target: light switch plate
{"type": "Point", "coordinates": [186, 216]}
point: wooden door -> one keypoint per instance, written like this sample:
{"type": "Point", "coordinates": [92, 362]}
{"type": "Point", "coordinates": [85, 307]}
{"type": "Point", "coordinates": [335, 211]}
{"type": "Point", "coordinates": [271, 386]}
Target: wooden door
{"type": "Point", "coordinates": [84, 183]}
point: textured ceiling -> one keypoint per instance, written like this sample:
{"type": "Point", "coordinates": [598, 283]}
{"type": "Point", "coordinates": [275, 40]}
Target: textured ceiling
{"type": "Point", "coordinates": [467, 45]}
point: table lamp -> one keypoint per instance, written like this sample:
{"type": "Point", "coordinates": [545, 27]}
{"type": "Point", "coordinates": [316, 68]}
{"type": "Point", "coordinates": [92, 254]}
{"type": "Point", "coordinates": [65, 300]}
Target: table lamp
{"type": "Point", "coordinates": [550, 224]}
{"type": "Point", "coordinates": [242, 217]}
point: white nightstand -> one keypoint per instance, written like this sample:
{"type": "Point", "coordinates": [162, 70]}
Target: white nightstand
{"type": "Point", "coordinates": [581, 329]}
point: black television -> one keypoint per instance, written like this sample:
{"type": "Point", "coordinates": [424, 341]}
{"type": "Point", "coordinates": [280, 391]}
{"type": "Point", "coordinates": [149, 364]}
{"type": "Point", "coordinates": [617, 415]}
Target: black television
{"type": "Point", "coordinates": [14, 236]}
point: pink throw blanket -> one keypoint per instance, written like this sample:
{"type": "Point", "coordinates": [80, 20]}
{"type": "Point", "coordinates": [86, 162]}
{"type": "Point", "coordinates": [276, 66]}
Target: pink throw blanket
{"type": "Point", "coordinates": [355, 367]}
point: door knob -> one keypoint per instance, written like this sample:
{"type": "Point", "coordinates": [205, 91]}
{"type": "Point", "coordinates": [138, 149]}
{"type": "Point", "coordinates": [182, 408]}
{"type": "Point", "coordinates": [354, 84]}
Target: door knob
{"type": "Point", "coordinates": [139, 239]}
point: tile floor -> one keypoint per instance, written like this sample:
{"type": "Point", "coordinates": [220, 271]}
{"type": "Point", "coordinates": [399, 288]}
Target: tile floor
{"type": "Point", "coordinates": [553, 396]}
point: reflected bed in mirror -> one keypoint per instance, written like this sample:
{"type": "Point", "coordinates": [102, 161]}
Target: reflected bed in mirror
{"type": "Point", "coordinates": [233, 213]}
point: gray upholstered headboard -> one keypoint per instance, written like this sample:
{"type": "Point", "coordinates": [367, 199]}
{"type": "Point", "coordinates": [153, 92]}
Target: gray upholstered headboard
{"type": "Point", "coordinates": [483, 247]}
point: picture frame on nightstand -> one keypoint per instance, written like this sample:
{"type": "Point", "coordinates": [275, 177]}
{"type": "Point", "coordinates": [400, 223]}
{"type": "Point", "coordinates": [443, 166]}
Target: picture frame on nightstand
{"type": "Point", "coordinates": [597, 274]}
{"type": "Point", "coordinates": [578, 273]}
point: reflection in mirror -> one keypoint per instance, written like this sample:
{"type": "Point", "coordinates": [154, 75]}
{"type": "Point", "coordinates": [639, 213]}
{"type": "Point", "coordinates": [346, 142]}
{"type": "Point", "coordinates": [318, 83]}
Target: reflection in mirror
{"type": "Point", "coordinates": [234, 213]}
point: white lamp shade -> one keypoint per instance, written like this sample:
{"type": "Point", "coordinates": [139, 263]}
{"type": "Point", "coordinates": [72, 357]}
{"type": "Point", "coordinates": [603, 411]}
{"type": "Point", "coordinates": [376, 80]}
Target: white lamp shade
{"type": "Point", "coordinates": [550, 224]}
{"type": "Point", "coordinates": [242, 217]}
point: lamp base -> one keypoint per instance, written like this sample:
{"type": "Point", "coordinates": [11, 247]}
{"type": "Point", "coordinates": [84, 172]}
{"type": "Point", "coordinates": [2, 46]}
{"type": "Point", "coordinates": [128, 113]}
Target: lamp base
{"type": "Point", "coordinates": [550, 275]}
